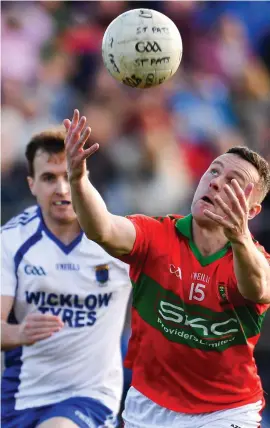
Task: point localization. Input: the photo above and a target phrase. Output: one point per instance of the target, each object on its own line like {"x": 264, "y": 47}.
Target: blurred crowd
{"x": 154, "y": 143}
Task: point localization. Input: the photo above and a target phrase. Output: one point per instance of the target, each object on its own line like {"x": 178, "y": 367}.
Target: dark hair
{"x": 51, "y": 142}
{"x": 260, "y": 164}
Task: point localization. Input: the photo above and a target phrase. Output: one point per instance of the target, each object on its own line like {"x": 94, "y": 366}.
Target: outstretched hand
{"x": 77, "y": 135}
{"x": 235, "y": 220}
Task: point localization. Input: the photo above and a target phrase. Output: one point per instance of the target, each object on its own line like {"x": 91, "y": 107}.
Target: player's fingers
{"x": 226, "y": 209}
{"x": 240, "y": 194}
{"x": 80, "y": 126}
{"x": 248, "y": 191}
{"x": 75, "y": 133}
{"x": 32, "y": 325}
{"x": 75, "y": 119}
{"x": 66, "y": 124}
{"x": 37, "y": 318}
{"x": 40, "y": 336}
{"x": 42, "y": 330}
{"x": 78, "y": 136}
{"x": 237, "y": 207}
{"x": 215, "y": 217}
{"x": 89, "y": 152}
{"x": 71, "y": 125}
{"x": 43, "y": 317}
{"x": 84, "y": 137}
{"x": 218, "y": 219}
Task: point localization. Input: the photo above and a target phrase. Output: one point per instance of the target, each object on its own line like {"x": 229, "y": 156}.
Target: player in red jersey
{"x": 201, "y": 290}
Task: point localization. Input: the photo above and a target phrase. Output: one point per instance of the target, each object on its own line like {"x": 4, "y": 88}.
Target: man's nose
{"x": 216, "y": 184}
{"x": 62, "y": 187}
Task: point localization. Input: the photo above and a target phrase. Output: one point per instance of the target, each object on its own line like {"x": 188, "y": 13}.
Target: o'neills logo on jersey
{"x": 67, "y": 266}
{"x": 194, "y": 329}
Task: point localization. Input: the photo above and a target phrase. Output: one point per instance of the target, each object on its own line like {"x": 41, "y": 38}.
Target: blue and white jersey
{"x": 89, "y": 290}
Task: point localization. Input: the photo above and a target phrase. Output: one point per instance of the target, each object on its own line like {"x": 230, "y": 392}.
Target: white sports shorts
{"x": 140, "y": 412}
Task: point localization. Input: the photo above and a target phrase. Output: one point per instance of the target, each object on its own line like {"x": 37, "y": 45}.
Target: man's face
{"x": 51, "y": 188}
{"x": 221, "y": 172}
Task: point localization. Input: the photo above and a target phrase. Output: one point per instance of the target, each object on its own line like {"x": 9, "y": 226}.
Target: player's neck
{"x": 208, "y": 241}
{"x": 66, "y": 233}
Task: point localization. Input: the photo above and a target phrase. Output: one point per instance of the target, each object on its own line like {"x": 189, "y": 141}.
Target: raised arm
{"x": 252, "y": 271}
{"x": 114, "y": 233}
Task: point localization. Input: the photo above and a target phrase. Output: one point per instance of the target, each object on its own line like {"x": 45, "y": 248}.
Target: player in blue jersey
{"x": 63, "y": 308}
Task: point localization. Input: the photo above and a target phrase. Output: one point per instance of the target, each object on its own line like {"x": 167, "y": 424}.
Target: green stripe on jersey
{"x": 250, "y": 320}
{"x": 191, "y": 324}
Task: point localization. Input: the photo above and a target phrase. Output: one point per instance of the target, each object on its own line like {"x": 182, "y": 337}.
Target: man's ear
{"x": 31, "y": 185}
{"x": 254, "y": 211}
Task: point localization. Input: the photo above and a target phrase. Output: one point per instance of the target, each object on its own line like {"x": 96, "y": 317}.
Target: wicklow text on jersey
{"x": 74, "y": 311}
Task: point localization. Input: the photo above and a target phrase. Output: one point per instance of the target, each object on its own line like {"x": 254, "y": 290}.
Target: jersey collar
{"x": 65, "y": 248}
{"x": 184, "y": 226}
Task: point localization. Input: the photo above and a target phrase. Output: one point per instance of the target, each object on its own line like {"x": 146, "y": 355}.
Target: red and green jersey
{"x": 193, "y": 334}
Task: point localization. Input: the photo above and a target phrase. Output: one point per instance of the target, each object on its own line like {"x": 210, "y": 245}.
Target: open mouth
{"x": 208, "y": 200}
{"x": 61, "y": 203}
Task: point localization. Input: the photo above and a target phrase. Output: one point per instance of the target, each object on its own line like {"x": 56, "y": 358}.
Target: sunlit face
{"x": 51, "y": 188}
{"x": 222, "y": 170}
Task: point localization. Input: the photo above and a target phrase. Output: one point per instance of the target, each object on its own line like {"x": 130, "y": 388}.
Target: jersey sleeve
{"x": 8, "y": 277}
{"x": 238, "y": 298}
{"x": 149, "y": 231}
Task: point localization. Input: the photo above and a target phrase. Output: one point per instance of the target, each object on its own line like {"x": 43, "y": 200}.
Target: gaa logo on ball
{"x": 147, "y": 47}
{"x": 142, "y": 48}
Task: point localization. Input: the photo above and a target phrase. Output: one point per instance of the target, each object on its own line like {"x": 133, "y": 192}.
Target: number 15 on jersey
{"x": 196, "y": 292}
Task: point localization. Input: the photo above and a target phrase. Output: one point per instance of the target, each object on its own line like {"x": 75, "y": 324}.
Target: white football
{"x": 142, "y": 48}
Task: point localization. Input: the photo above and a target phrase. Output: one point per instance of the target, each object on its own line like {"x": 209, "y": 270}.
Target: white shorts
{"x": 140, "y": 412}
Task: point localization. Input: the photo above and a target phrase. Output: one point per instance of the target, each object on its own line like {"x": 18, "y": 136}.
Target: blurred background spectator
{"x": 155, "y": 143}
